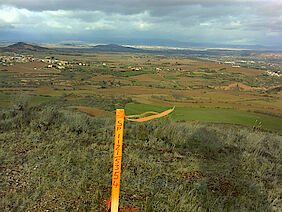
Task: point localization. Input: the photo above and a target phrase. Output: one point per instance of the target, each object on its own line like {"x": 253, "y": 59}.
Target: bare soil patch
{"x": 30, "y": 67}
{"x": 145, "y": 77}
{"x": 93, "y": 111}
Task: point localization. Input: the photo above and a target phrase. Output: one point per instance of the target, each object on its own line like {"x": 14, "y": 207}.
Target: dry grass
{"x": 240, "y": 86}
{"x": 63, "y": 161}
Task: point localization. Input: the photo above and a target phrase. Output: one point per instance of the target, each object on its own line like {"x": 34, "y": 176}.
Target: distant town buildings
{"x": 51, "y": 62}
{"x": 274, "y": 73}
{"x": 135, "y": 68}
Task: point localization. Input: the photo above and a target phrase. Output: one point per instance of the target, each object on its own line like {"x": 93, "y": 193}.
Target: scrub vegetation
{"x": 61, "y": 160}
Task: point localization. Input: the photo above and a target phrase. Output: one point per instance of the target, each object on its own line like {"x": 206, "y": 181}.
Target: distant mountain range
{"x": 113, "y": 48}
{"x": 174, "y": 43}
{"x": 22, "y": 47}
{"x": 103, "y": 48}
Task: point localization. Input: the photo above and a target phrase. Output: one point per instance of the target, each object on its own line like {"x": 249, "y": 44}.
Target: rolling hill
{"x": 105, "y": 48}
{"x": 22, "y": 47}
{"x": 114, "y": 48}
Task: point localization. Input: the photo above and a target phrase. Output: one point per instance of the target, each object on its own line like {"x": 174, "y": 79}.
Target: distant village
{"x": 51, "y": 62}
{"x": 274, "y": 73}
{"x": 237, "y": 64}
{"x": 60, "y": 65}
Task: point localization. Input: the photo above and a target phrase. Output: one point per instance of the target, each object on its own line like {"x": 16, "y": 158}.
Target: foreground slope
{"x": 62, "y": 160}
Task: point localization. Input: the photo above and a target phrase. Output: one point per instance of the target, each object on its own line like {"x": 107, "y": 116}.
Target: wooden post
{"x": 117, "y": 160}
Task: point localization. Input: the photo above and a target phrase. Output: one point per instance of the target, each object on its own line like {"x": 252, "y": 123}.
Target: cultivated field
{"x": 242, "y": 96}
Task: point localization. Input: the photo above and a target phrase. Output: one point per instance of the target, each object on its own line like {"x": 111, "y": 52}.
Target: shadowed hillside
{"x": 54, "y": 159}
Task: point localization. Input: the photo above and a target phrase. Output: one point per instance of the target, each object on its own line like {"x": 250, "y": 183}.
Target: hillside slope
{"x": 22, "y": 47}
{"x": 62, "y": 160}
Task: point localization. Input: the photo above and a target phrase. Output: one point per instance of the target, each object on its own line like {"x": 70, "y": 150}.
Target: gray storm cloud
{"x": 121, "y": 6}
{"x": 216, "y": 21}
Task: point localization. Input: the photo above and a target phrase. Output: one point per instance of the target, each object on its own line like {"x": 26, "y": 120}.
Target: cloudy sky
{"x": 203, "y": 21}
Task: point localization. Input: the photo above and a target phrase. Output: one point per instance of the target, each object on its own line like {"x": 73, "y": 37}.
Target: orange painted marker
{"x": 117, "y": 159}
{"x": 120, "y": 116}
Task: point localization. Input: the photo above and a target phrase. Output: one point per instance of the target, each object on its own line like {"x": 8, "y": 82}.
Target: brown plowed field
{"x": 29, "y": 68}
{"x": 93, "y": 111}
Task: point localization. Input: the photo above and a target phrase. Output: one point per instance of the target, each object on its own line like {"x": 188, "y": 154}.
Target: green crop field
{"x": 212, "y": 115}
{"x": 34, "y": 100}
